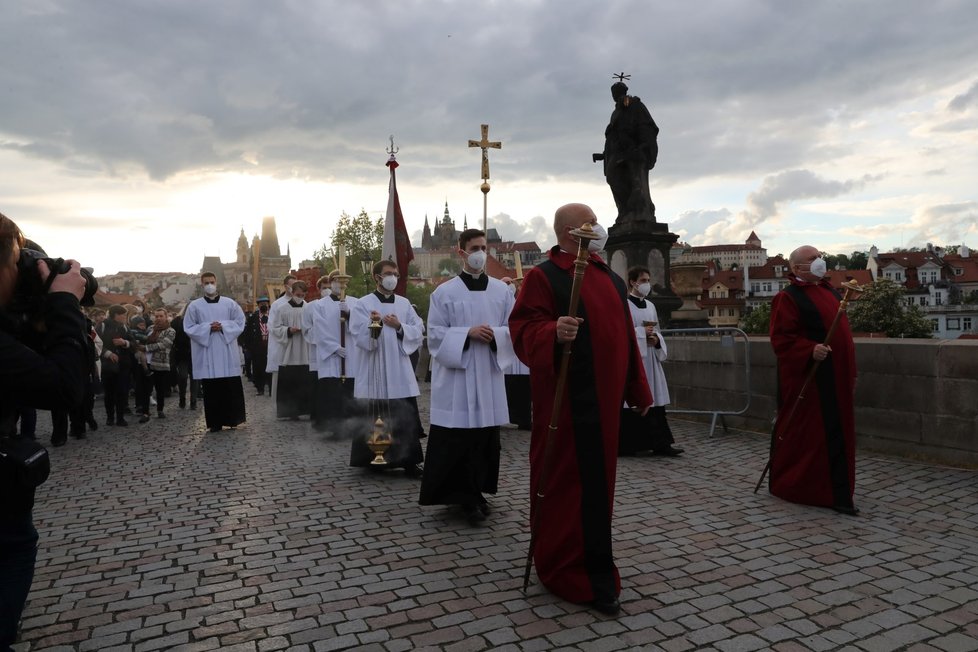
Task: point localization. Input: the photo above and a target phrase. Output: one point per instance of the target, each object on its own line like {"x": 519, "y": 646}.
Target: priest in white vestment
{"x": 213, "y": 324}
{"x": 293, "y": 397}
{"x": 468, "y": 337}
{"x": 336, "y": 366}
{"x": 274, "y": 349}
{"x": 651, "y": 432}
{"x": 385, "y": 376}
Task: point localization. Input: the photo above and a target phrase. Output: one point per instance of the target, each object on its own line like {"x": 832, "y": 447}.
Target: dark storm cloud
{"x": 314, "y": 89}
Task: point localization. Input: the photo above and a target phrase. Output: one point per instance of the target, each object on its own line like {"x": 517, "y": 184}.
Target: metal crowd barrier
{"x": 727, "y": 335}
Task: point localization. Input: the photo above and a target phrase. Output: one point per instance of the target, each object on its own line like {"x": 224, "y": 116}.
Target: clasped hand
{"x": 481, "y": 333}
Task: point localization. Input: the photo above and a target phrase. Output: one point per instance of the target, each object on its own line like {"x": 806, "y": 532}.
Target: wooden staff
{"x": 850, "y": 287}
{"x": 343, "y": 280}
{"x": 584, "y": 235}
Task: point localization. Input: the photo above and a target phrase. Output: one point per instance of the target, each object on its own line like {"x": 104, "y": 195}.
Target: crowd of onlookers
{"x": 139, "y": 358}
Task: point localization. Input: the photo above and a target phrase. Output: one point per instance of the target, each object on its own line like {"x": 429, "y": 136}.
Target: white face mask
{"x": 477, "y": 260}
{"x": 643, "y": 289}
{"x": 594, "y": 246}
{"x": 335, "y": 288}
{"x": 389, "y": 283}
{"x": 210, "y": 289}
{"x": 818, "y": 267}
{"x": 325, "y": 292}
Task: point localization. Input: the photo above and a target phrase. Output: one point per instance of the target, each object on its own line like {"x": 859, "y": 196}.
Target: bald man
{"x": 813, "y": 456}
{"x": 573, "y": 554}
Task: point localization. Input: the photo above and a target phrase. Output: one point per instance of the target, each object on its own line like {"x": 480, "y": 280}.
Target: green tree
{"x": 858, "y": 260}
{"x": 449, "y": 265}
{"x": 362, "y": 239}
{"x": 883, "y": 308}
{"x": 758, "y": 320}
{"x": 420, "y": 297}
{"x": 837, "y": 261}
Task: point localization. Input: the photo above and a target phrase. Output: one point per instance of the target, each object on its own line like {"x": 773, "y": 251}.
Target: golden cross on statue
{"x": 485, "y": 144}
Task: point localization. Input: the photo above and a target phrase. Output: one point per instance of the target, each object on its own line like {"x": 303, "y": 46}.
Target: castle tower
{"x": 269, "y": 238}
{"x": 426, "y": 235}
{"x": 242, "y": 247}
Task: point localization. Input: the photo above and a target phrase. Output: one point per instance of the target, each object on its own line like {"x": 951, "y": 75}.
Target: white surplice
{"x": 214, "y": 354}
{"x": 326, "y": 332}
{"x": 652, "y": 357}
{"x": 292, "y": 349}
{"x": 274, "y": 348}
{"x": 397, "y": 379}
{"x": 309, "y": 310}
{"x": 468, "y": 388}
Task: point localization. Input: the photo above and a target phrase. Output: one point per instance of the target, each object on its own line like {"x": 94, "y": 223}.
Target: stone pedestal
{"x": 645, "y": 242}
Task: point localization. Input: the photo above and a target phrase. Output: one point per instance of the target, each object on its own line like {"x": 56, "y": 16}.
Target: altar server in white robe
{"x": 518, "y": 380}
{"x": 336, "y": 408}
{"x": 213, "y": 324}
{"x": 293, "y": 397}
{"x": 651, "y": 432}
{"x": 274, "y": 348}
{"x": 468, "y": 336}
{"x": 385, "y": 376}
{"x": 309, "y": 310}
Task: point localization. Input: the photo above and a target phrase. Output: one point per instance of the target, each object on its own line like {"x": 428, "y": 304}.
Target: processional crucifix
{"x": 485, "y": 144}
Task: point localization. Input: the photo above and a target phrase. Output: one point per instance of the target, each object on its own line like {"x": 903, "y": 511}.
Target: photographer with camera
{"x": 49, "y": 376}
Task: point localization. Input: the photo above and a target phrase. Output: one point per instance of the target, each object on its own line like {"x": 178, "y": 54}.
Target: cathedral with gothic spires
{"x": 258, "y": 269}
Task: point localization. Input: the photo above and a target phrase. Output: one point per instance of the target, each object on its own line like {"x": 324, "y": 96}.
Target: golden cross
{"x": 485, "y": 144}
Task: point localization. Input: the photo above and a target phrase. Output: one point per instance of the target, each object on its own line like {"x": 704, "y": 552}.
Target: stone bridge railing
{"x": 914, "y": 398}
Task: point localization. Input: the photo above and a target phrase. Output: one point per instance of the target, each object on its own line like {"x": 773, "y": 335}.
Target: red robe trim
{"x": 573, "y": 554}
{"x": 813, "y": 457}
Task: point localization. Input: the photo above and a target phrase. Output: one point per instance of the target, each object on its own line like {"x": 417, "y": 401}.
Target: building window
{"x": 958, "y": 271}
{"x": 767, "y": 286}
{"x": 923, "y": 301}
{"x": 936, "y": 325}
{"x": 966, "y": 324}
{"x": 755, "y": 287}
{"x": 731, "y": 312}
{"x": 938, "y": 299}
{"x": 953, "y": 324}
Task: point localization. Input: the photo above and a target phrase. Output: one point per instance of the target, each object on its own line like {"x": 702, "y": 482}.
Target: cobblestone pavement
{"x": 164, "y": 536}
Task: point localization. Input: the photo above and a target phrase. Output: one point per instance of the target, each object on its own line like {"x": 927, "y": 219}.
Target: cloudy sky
{"x": 140, "y": 134}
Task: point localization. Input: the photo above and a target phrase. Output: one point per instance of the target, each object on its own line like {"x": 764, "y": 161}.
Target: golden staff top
{"x": 485, "y": 144}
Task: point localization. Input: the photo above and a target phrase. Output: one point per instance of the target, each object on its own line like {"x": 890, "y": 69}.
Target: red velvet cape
{"x": 813, "y": 457}
{"x": 573, "y": 554}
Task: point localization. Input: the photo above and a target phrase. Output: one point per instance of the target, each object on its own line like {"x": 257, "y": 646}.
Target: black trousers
{"x": 18, "y": 553}
{"x": 116, "y": 396}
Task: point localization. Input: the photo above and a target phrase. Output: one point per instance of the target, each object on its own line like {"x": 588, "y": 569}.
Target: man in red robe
{"x": 813, "y": 456}
{"x": 573, "y": 554}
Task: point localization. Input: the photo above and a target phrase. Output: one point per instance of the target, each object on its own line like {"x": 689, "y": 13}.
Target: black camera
{"x": 27, "y": 302}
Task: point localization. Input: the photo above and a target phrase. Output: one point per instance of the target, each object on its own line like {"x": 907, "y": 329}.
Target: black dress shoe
{"x": 217, "y": 429}
{"x": 848, "y": 510}
{"x": 121, "y": 422}
{"x": 473, "y": 514}
{"x": 668, "y": 451}
{"x": 57, "y": 442}
{"x": 92, "y": 424}
{"x": 78, "y": 434}
{"x": 607, "y": 607}
{"x": 413, "y": 471}
{"x": 484, "y": 508}
{"x": 110, "y": 422}
{"x": 144, "y": 418}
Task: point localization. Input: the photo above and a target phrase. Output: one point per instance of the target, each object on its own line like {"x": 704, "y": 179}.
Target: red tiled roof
{"x": 969, "y": 265}
{"x": 908, "y": 258}
{"x": 839, "y": 276}
{"x": 725, "y": 247}
{"x": 766, "y": 270}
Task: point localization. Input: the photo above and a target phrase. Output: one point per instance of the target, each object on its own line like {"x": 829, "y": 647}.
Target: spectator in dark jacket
{"x": 50, "y": 379}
